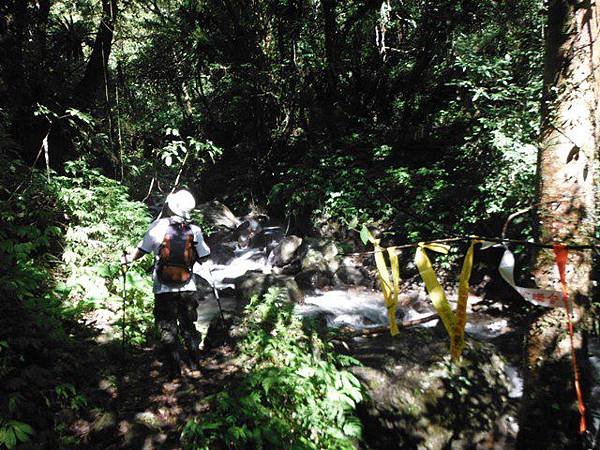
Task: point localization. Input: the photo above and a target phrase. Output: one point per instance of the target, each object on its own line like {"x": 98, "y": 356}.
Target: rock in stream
{"x": 418, "y": 399}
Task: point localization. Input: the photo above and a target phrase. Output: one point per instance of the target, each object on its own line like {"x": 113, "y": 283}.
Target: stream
{"x": 414, "y": 397}
{"x": 355, "y": 307}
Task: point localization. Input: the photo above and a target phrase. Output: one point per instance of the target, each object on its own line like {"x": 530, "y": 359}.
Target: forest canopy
{"x": 377, "y": 111}
{"x": 411, "y": 120}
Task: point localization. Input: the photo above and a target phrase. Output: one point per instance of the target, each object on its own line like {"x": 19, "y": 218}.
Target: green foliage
{"x": 81, "y": 127}
{"x": 34, "y": 324}
{"x": 13, "y": 432}
{"x": 294, "y": 392}
{"x": 103, "y": 222}
{"x": 177, "y": 148}
{"x": 364, "y": 235}
{"x": 87, "y": 218}
{"x": 69, "y": 398}
{"x": 334, "y": 191}
{"x": 423, "y": 132}
{"x": 455, "y": 151}
{"x": 30, "y": 232}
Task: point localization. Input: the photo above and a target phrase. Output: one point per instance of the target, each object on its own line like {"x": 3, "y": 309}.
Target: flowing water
{"x": 245, "y": 260}
{"x": 355, "y": 307}
{"x": 358, "y": 308}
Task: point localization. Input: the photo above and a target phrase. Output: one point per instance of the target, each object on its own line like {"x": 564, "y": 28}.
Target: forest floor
{"x": 132, "y": 403}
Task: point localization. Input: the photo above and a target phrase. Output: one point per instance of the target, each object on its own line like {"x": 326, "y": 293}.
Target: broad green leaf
{"x": 10, "y": 439}
{"x": 22, "y": 430}
{"x": 104, "y": 270}
{"x": 353, "y": 222}
{"x": 364, "y": 235}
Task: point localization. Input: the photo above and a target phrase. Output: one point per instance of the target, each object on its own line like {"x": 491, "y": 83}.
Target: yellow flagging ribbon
{"x": 458, "y": 343}
{"x": 389, "y": 287}
{"x": 437, "y": 294}
{"x": 454, "y": 322}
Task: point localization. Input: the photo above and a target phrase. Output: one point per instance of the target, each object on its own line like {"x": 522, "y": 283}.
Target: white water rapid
{"x": 355, "y": 307}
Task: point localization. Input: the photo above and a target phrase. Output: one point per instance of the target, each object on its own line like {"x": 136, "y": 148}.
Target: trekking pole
{"x": 124, "y": 272}
{"x": 214, "y": 286}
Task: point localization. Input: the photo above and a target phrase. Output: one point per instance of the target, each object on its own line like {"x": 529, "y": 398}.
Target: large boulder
{"x": 221, "y": 253}
{"x": 217, "y": 215}
{"x": 312, "y": 278}
{"x": 268, "y": 238}
{"x": 247, "y": 232}
{"x": 258, "y": 283}
{"x": 285, "y": 252}
{"x": 418, "y": 399}
{"x": 319, "y": 253}
{"x": 353, "y": 276}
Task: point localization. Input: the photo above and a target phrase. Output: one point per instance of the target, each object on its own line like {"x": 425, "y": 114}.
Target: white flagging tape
{"x": 540, "y": 297}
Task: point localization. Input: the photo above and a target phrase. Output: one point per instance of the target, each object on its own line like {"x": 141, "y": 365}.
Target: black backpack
{"x": 176, "y": 255}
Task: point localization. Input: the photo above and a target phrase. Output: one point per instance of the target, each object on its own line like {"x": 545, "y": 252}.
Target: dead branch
{"x": 353, "y": 332}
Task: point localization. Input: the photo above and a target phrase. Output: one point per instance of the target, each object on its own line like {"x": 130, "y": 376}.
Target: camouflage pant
{"x": 169, "y": 309}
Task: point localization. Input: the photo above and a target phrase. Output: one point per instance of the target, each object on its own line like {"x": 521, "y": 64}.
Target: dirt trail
{"x": 133, "y": 404}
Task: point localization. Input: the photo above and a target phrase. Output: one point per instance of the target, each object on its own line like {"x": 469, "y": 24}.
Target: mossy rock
{"x": 257, "y": 283}
{"x": 420, "y": 399}
{"x": 321, "y": 254}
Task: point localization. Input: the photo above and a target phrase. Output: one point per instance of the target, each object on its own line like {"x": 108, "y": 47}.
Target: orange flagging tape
{"x": 561, "y": 254}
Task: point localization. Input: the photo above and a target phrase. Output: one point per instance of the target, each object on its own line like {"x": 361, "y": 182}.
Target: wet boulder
{"x": 313, "y": 278}
{"x": 217, "y": 215}
{"x": 247, "y": 232}
{"x": 353, "y": 276}
{"x": 415, "y": 297}
{"x": 204, "y": 288}
{"x": 418, "y": 399}
{"x": 316, "y": 263}
{"x": 258, "y": 283}
{"x": 285, "y": 252}
{"x": 408, "y": 268}
{"x": 319, "y": 253}
{"x": 269, "y": 237}
{"x": 221, "y": 253}
{"x": 221, "y": 331}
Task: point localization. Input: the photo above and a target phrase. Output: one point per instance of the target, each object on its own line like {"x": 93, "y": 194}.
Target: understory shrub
{"x": 35, "y": 327}
{"x": 294, "y": 392}
{"x": 102, "y": 223}
{"x": 60, "y": 241}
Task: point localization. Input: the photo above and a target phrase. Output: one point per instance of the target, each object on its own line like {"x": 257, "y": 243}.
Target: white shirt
{"x": 152, "y": 242}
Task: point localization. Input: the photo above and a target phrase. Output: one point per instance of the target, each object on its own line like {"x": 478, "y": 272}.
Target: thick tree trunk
{"x": 84, "y": 94}
{"x": 566, "y": 213}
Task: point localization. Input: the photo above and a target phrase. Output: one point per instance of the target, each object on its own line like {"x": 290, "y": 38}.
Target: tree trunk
{"x": 84, "y": 94}
{"x": 330, "y": 90}
{"x": 433, "y": 42}
{"x": 566, "y": 214}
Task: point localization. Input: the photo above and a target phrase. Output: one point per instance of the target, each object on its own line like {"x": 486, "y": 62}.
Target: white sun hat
{"x": 181, "y": 203}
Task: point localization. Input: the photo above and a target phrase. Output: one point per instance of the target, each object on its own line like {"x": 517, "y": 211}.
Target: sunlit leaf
{"x": 364, "y": 235}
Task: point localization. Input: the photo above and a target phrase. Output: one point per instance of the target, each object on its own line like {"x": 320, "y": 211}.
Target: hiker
{"x": 177, "y": 245}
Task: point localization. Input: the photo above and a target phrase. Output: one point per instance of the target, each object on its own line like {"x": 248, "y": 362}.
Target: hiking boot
{"x": 172, "y": 361}
{"x": 172, "y": 369}
{"x": 194, "y": 365}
